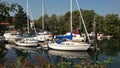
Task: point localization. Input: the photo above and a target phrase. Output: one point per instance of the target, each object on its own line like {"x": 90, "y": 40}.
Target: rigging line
{"x": 46, "y": 12}
{"x": 28, "y": 17}
{"x": 42, "y": 15}
{"x": 71, "y": 15}
{"x": 31, "y": 15}
{"x": 82, "y": 20}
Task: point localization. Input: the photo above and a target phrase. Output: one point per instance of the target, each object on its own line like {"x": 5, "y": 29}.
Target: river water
{"x": 109, "y": 49}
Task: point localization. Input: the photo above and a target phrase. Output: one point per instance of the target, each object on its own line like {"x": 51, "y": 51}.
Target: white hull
{"x": 43, "y": 38}
{"x": 72, "y": 47}
{"x": 43, "y": 45}
{"x": 79, "y": 39}
{"x": 30, "y": 40}
{"x": 11, "y": 37}
{"x": 26, "y": 44}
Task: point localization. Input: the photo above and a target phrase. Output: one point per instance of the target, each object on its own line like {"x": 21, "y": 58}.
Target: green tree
{"x": 88, "y": 16}
{"x": 39, "y": 23}
{"x": 5, "y": 10}
{"x": 20, "y": 19}
{"x": 67, "y": 21}
{"x": 111, "y": 24}
{"x": 99, "y": 23}
{"x": 63, "y": 26}
{"x": 46, "y": 22}
{"x": 53, "y": 23}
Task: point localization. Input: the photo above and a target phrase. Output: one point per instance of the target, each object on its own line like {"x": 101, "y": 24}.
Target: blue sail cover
{"x": 60, "y": 38}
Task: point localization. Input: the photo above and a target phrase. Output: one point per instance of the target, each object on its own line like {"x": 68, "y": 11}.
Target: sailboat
{"x": 69, "y": 44}
{"x": 12, "y": 36}
{"x": 43, "y": 35}
{"x": 27, "y": 41}
{"x": 77, "y": 35}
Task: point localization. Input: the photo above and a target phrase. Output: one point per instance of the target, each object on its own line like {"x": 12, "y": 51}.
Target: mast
{"x": 71, "y": 15}
{"x": 28, "y": 18}
{"x": 95, "y": 34}
{"x": 83, "y": 20}
{"x": 32, "y": 24}
{"x": 42, "y": 15}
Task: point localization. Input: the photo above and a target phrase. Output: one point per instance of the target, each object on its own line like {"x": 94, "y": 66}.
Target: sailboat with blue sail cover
{"x": 69, "y": 45}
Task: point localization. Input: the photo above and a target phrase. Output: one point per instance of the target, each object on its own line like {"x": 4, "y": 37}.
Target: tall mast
{"x": 71, "y": 15}
{"x": 82, "y": 20}
{"x": 42, "y": 15}
{"x": 28, "y": 18}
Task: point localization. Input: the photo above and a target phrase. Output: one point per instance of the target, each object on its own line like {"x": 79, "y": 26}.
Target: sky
{"x": 60, "y": 7}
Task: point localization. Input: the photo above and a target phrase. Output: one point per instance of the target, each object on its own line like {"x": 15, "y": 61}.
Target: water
{"x": 38, "y": 56}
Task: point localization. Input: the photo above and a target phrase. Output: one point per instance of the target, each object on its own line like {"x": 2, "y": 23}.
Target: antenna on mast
{"x": 71, "y": 15}
{"x": 42, "y": 15}
{"x": 83, "y": 21}
{"x": 28, "y": 18}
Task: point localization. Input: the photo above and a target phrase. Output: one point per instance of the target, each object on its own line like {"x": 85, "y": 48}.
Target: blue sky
{"x": 60, "y": 7}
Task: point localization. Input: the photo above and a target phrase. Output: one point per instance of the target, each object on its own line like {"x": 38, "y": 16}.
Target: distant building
{"x": 7, "y": 24}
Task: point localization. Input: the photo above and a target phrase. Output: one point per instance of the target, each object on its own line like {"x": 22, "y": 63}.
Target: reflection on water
{"x": 36, "y": 53}
{"x": 109, "y": 48}
{"x": 69, "y": 54}
{"x": 68, "y": 58}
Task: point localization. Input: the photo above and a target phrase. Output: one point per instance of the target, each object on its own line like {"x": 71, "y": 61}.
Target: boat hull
{"x": 82, "y": 47}
{"x": 26, "y": 44}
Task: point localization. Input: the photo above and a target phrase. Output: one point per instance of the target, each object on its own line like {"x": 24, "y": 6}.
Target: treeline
{"x": 108, "y": 24}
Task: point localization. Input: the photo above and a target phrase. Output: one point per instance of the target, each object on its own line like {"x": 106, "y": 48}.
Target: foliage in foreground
{"x": 44, "y": 63}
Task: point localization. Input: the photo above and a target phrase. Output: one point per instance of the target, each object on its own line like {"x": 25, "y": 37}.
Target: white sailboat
{"x": 29, "y": 41}
{"x": 43, "y": 35}
{"x": 69, "y": 45}
{"x": 26, "y": 42}
{"x": 11, "y": 36}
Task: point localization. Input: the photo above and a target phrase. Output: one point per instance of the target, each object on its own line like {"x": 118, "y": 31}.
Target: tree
{"x": 46, "y": 22}
{"x": 99, "y": 23}
{"x": 88, "y": 16}
{"x": 111, "y": 24}
{"x": 63, "y": 25}
{"x": 20, "y": 19}
{"x": 5, "y": 10}
{"x": 53, "y": 23}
